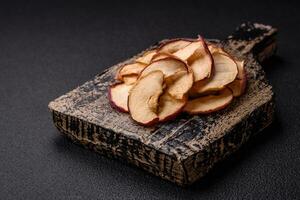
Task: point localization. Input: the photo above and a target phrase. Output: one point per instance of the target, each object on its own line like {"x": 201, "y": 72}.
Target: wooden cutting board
{"x": 185, "y": 149}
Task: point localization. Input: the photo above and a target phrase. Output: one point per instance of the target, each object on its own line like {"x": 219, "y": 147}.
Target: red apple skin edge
{"x": 167, "y": 58}
{"x": 117, "y": 76}
{"x": 151, "y": 123}
{"x": 244, "y": 82}
{"x": 112, "y": 103}
{"x": 208, "y": 53}
{"x": 228, "y": 55}
{"x": 170, "y": 57}
{"x": 231, "y": 57}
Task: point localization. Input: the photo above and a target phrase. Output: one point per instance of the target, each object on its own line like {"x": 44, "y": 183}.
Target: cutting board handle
{"x": 255, "y": 38}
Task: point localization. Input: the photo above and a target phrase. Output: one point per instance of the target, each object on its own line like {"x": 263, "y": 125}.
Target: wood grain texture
{"x": 184, "y": 149}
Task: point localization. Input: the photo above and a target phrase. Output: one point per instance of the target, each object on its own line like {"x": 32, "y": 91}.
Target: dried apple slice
{"x": 201, "y": 62}
{"x": 161, "y": 55}
{"x": 225, "y": 71}
{"x": 215, "y": 49}
{"x": 240, "y": 64}
{"x": 198, "y": 57}
{"x": 238, "y": 86}
{"x": 167, "y": 66}
{"x": 202, "y": 68}
{"x": 241, "y": 69}
{"x": 179, "y": 84}
{"x": 209, "y": 104}
{"x": 143, "y": 98}
{"x": 146, "y": 57}
{"x": 188, "y": 51}
{"x": 130, "y": 79}
{"x": 172, "y": 46}
{"x": 130, "y": 69}
{"x": 169, "y": 107}
{"x": 118, "y": 96}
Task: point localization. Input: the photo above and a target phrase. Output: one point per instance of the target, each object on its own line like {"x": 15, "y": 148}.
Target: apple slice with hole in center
{"x": 146, "y": 57}
{"x": 174, "y": 45}
{"x": 225, "y": 71}
{"x": 179, "y": 84}
{"x": 144, "y": 96}
{"x": 118, "y": 96}
{"x": 170, "y": 107}
{"x": 209, "y": 104}
{"x": 167, "y": 66}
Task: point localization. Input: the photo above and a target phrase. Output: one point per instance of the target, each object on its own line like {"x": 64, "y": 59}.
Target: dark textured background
{"x": 49, "y": 48}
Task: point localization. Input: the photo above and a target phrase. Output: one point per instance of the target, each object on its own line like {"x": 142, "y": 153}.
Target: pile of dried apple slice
{"x": 181, "y": 75}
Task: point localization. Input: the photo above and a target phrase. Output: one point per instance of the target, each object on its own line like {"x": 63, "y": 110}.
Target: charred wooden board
{"x": 184, "y": 149}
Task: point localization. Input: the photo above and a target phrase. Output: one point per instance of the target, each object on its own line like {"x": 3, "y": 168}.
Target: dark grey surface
{"x": 47, "y": 49}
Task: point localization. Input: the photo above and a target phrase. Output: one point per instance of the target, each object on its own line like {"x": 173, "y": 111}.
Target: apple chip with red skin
{"x": 201, "y": 62}
{"x": 179, "y": 84}
{"x": 130, "y": 79}
{"x": 130, "y": 69}
{"x": 182, "y": 75}
{"x": 198, "y": 57}
{"x": 118, "y": 96}
{"x": 172, "y": 46}
{"x": 168, "y": 66}
{"x": 238, "y": 86}
{"x": 210, "y": 103}
{"x": 178, "y": 77}
{"x": 215, "y": 49}
{"x": 144, "y": 96}
{"x": 146, "y": 57}
{"x": 186, "y": 52}
{"x": 169, "y": 107}
{"x": 225, "y": 72}
{"x": 160, "y": 56}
